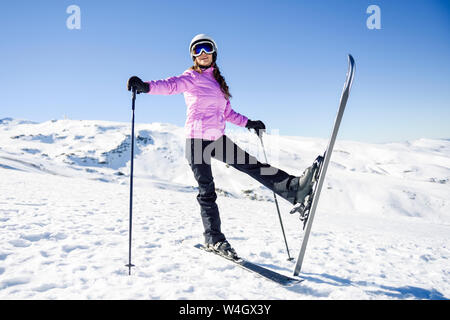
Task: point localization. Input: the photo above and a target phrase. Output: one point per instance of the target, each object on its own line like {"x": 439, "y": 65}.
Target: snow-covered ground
{"x": 381, "y": 231}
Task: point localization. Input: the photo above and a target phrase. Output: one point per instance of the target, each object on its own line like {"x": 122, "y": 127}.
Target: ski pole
{"x": 133, "y": 101}
{"x": 276, "y": 203}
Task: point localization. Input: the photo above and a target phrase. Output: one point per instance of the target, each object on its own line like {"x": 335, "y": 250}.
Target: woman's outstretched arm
{"x": 172, "y": 85}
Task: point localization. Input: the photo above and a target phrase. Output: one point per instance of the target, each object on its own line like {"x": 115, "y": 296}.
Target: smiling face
{"x": 204, "y": 59}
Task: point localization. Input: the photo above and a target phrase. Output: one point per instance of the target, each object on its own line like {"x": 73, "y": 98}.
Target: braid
{"x": 219, "y": 78}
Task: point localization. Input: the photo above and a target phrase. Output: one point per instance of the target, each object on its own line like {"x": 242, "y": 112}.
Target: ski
{"x": 257, "y": 270}
{"x": 308, "y": 208}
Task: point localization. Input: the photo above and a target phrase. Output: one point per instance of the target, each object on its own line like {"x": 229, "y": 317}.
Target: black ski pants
{"x": 199, "y": 153}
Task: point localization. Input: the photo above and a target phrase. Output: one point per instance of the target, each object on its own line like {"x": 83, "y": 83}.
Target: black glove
{"x": 141, "y": 86}
{"x": 257, "y": 125}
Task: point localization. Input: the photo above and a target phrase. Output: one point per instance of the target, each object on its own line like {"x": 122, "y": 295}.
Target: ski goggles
{"x": 202, "y": 46}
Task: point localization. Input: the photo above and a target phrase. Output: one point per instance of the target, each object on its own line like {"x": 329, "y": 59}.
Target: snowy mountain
{"x": 381, "y": 229}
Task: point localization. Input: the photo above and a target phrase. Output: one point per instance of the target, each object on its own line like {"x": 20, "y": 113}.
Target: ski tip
{"x": 351, "y": 59}
{"x": 351, "y": 70}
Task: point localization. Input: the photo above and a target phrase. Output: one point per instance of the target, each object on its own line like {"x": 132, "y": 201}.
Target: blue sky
{"x": 284, "y": 61}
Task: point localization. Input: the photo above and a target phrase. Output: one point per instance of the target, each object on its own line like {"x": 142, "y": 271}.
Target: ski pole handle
{"x": 256, "y": 132}
{"x": 133, "y": 98}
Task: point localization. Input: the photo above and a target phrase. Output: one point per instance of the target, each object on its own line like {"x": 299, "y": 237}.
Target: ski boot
{"x": 307, "y": 184}
{"x": 222, "y": 248}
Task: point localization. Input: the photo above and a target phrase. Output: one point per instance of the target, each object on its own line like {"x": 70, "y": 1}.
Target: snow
{"x": 381, "y": 230}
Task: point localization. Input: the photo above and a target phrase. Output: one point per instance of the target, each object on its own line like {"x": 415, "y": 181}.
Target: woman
{"x": 207, "y": 97}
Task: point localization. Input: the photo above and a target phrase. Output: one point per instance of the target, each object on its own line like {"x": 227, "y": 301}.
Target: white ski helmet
{"x": 202, "y": 37}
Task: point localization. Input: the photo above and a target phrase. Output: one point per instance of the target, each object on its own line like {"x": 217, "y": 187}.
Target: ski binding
{"x": 304, "y": 207}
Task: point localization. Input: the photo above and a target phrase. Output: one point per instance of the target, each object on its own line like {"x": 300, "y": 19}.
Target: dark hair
{"x": 218, "y": 76}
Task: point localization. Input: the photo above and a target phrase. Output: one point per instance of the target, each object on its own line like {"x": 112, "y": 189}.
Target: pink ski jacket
{"x": 207, "y": 107}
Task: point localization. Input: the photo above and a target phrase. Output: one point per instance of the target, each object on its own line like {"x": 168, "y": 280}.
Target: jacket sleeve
{"x": 234, "y": 117}
{"x": 172, "y": 85}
